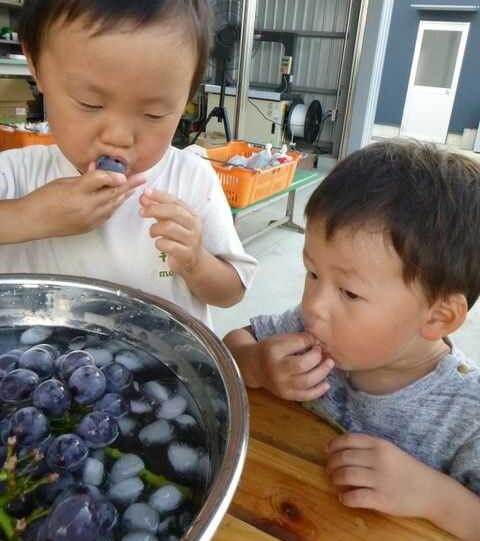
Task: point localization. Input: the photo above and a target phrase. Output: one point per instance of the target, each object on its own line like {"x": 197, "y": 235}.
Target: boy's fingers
{"x": 96, "y": 180}
{"x": 305, "y": 362}
{"x": 350, "y": 457}
{"x": 168, "y": 215}
{"x": 313, "y": 377}
{"x": 365, "y": 498}
{"x": 353, "y": 476}
{"x": 170, "y": 230}
{"x": 291, "y": 344}
{"x": 117, "y": 193}
{"x": 351, "y": 440}
{"x": 161, "y": 197}
{"x": 307, "y": 395}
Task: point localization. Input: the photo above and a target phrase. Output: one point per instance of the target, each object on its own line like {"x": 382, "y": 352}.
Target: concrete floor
{"x": 279, "y": 281}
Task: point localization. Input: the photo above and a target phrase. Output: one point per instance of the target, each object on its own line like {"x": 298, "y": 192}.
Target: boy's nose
{"x": 316, "y": 306}
{"x": 117, "y": 134}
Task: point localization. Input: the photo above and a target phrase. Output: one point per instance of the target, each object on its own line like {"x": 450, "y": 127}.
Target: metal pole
{"x": 249, "y": 10}
{"x": 362, "y": 23}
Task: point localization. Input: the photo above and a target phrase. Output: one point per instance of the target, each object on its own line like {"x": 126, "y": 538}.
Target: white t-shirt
{"x": 121, "y": 250}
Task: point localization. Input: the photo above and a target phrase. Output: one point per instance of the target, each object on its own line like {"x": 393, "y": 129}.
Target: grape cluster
{"x": 63, "y": 407}
{"x": 42, "y": 391}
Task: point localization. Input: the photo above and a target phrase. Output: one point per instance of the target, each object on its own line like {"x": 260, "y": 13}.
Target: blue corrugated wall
{"x": 398, "y": 60}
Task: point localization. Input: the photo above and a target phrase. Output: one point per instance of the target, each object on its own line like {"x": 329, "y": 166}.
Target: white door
{"x": 436, "y": 66}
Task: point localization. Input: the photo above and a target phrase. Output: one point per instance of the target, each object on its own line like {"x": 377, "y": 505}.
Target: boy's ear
{"x": 445, "y": 316}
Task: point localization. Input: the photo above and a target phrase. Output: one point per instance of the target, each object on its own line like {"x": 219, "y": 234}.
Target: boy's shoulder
{"x": 33, "y": 156}
{"x": 25, "y": 169}
{"x": 186, "y": 159}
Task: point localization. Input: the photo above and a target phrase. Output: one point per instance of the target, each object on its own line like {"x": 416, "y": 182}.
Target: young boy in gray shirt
{"x": 392, "y": 253}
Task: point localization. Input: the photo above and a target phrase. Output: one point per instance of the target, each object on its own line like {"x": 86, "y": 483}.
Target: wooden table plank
{"x": 234, "y": 529}
{"x": 288, "y": 426}
{"x": 291, "y": 499}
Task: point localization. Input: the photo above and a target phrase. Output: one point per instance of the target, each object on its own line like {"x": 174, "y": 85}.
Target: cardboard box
{"x": 14, "y": 97}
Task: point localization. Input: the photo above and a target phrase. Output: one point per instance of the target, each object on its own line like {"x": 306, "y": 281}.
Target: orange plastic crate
{"x": 18, "y": 139}
{"x": 244, "y": 187}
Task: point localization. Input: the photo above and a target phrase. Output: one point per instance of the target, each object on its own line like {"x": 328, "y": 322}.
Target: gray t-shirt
{"x": 435, "y": 419}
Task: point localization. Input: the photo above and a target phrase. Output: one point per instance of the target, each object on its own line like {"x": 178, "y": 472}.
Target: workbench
{"x": 284, "y": 492}
{"x": 302, "y": 179}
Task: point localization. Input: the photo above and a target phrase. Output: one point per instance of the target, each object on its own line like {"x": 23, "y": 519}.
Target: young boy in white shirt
{"x": 392, "y": 252}
{"x": 115, "y": 78}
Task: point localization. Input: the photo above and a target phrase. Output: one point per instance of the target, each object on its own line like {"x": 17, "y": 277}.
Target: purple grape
{"x": 66, "y": 453}
{"x": 49, "y": 492}
{"x": 52, "y": 349}
{"x": 98, "y": 429}
{"x": 107, "y": 515}
{"x": 21, "y": 506}
{"x": 17, "y": 386}
{"x": 87, "y": 384}
{"x": 114, "y": 404}
{"x": 29, "y": 425}
{"x": 52, "y": 397}
{"x": 38, "y": 360}
{"x": 107, "y": 163}
{"x": 9, "y": 360}
{"x": 5, "y": 427}
{"x": 73, "y": 519}
{"x": 118, "y": 377}
{"x": 73, "y": 360}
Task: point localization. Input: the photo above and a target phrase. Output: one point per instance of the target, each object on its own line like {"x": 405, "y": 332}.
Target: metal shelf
{"x": 11, "y": 3}
{"x": 9, "y": 41}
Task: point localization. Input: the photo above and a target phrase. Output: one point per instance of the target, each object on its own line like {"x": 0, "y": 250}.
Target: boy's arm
{"x": 455, "y": 509}
{"x": 214, "y": 281}
{"x": 246, "y": 351}
{"x": 16, "y": 223}
{"x": 63, "y": 207}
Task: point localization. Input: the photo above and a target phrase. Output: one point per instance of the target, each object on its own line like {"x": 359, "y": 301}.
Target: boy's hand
{"x": 71, "y": 206}
{"x": 177, "y": 231}
{"x": 291, "y": 367}
{"x": 373, "y": 473}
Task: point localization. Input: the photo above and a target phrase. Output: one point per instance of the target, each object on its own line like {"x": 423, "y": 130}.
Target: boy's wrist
{"x": 27, "y": 226}
{"x": 453, "y": 507}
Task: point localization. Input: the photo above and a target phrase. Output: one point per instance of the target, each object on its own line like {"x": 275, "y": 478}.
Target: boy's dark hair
{"x": 426, "y": 200}
{"x": 38, "y": 16}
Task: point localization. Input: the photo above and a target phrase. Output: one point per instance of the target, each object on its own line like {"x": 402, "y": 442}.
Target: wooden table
{"x": 285, "y": 494}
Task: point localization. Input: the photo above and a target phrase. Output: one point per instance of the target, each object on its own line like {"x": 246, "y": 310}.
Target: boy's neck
{"x": 388, "y": 379}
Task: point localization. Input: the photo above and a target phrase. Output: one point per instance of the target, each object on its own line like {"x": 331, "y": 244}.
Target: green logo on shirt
{"x": 165, "y": 273}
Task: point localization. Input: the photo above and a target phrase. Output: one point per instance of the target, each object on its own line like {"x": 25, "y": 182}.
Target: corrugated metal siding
{"x": 316, "y": 61}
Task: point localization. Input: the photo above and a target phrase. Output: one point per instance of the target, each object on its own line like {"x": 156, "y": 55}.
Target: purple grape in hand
{"x": 107, "y": 163}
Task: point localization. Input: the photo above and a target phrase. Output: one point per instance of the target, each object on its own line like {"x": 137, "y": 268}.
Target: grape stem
{"x": 152, "y": 479}
{"x": 6, "y": 524}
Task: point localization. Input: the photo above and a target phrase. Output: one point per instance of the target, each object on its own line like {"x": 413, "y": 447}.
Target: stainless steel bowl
{"x": 184, "y": 344}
